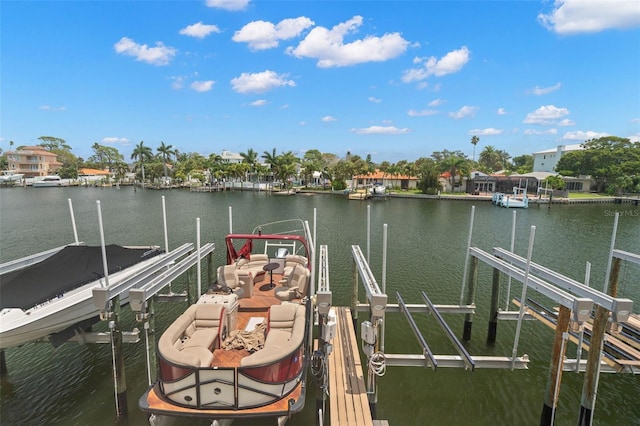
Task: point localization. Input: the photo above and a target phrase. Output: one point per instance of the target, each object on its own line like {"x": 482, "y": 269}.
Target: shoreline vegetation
{"x": 574, "y": 198}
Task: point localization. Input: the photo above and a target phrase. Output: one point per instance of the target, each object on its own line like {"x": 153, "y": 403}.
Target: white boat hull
{"x": 18, "y": 326}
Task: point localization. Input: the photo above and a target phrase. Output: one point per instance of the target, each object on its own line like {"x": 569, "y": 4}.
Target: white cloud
{"x": 437, "y": 102}
{"x": 159, "y": 55}
{"x": 635, "y": 120}
{"x": 465, "y": 111}
{"x": 329, "y": 47}
{"x": 259, "y": 103}
{"x": 177, "y": 82}
{"x": 566, "y": 122}
{"x": 539, "y": 91}
{"x": 541, "y": 132}
{"x": 232, "y": 5}
{"x": 450, "y": 63}
{"x": 52, "y": 108}
{"x": 262, "y": 35}
{"x": 501, "y": 111}
{"x": 423, "y": 113}
{"x": 580, "y": 16}
{"x": 202, "y": 86}
{"x": 374, "y": 100}
{"x": 260, "y": 82}
{"x": 328, "y": 119}
{"x": 115, "y": 141}
{"x": 485, "y": 132}
{"x": 583, "y": 136}
{"x": 635, "y": 138}
{"x": 380, "y": 130}
{"x": 546, "y": 115}
{"x": 199, "y": 30}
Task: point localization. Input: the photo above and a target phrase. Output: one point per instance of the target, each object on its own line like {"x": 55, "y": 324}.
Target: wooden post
{"x": 3, "y": 363}
{"x": 555, "y": 371}
{"x": 471, "y": 296}
{"x": 592, "y": 371}
{"x": 493, "y": 313}
{"x": 120, "y": 379}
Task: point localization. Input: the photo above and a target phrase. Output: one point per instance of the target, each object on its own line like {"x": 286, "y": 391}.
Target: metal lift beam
{"x": 429, "y": 358}
{"x": 581, "y": 307}
{"x": 621, "y": 308}
{"x": 452, "y": 337}
{"x": 102, "y": 295}
{"x": 625, "y": 255}
{"x": 149, "y": 289}
{"x": 377, "y": 299}
{"x": 324, "y": 298}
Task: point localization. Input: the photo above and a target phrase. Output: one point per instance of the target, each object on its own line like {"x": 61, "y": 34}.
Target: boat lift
{"x": 576, "y": 301}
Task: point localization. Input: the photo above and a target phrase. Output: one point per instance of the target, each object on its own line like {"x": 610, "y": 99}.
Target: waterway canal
{"x": 72, "y": 385}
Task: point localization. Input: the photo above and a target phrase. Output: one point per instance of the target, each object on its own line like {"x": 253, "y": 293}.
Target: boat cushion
{"x": 191, "y": 337}
{"x": 285, "y": 335}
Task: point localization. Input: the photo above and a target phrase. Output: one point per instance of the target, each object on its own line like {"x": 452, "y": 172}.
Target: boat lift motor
{"x": 329, "y": 330}
{"x": 369, "y": 335}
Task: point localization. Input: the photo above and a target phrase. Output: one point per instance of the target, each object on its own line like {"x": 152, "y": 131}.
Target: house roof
{"x": 380, "y": 175}
{"x": 565, "y": 148}
{"x": 93, "y": 172}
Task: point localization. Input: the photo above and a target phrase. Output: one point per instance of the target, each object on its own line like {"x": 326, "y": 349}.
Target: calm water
{"x": 72, "y": 385}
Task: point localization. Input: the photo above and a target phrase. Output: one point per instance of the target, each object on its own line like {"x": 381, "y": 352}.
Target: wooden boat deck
{"x": 348, "y": 394}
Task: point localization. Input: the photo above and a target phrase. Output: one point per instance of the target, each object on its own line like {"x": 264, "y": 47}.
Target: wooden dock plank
{"x": 348, "y": 397}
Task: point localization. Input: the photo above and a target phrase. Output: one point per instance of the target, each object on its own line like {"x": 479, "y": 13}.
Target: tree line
{"x": 612, "y": 161}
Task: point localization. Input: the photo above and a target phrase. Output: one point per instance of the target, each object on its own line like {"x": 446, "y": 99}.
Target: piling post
{"x": 192, "y": 295}
{"x": 555, "y": 371}
{"x": 493, "y": 313}
{"x": 119, "y": 378}
{"x": 592, "y": 371}
{"x": 3, "y": 363}
{"x": 471, "y": 296}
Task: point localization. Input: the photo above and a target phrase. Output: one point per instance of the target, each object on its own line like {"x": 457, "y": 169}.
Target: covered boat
{"x": 51, "y": 292}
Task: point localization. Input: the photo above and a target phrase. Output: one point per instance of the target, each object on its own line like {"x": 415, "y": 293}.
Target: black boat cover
{"x": 71, "y": 267}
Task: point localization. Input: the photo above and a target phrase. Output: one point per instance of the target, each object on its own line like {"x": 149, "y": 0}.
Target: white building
{"x": 230, "y": 157}
{"x": 546, "y": 161}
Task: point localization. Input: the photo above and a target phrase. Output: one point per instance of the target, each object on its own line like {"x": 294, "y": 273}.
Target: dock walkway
{"x": 348, "y": 393}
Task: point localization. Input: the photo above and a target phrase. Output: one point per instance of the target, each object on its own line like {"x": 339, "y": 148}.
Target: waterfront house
{"x": 33, "y": 161}
{"x": 386, "y": 179}
{"x": 546, "y": 160}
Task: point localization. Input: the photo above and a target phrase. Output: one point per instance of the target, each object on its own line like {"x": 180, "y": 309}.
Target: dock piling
{"x": 471, "y": 296}
{"x": 555, "y": 371}
{"x": 493, "y": 312}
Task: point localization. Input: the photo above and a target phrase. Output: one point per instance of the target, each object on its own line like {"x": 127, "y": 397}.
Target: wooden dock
{"x": 348, "y": 394}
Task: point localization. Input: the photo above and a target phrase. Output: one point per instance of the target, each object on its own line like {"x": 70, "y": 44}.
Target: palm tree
{"x": 490, "y": 159}
{"x": 455, "y": 165}
{"x": 141, "y": 153}
{"x": 474, "y": 141}
{"x": 251, "y": 158}
{"x": 271, "y": 159}
{"x": 165, "y": 152}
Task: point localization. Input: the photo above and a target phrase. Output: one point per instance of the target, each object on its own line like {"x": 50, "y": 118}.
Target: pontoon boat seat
{"x": 239, "y": 281}
{"x": 291, "y": 260}
{"x": 285, "y": 334}
{"x": 295, "y": 286}
{"x": 190, "y": 339}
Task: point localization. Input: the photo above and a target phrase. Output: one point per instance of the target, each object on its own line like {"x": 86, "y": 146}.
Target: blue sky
{"x": 397, "y": 80}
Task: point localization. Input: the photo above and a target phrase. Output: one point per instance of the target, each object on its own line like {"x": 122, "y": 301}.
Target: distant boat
{"x": 50, "y": 181}
{"x": 10, "y": 177}
{"x": 519, "y": 199}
